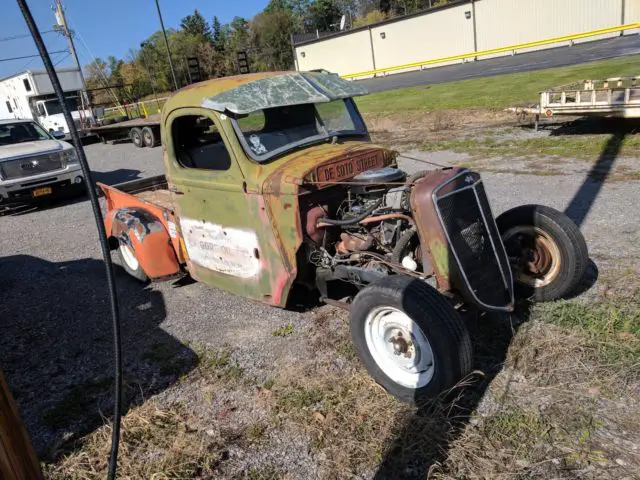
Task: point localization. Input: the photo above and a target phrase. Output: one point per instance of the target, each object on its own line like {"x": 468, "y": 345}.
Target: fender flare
{"x": 147, "y": 236}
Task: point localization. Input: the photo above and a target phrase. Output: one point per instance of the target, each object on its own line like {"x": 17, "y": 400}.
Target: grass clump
{"x": 218, "y": 363}
{"x": 611, "y": 329}
{"x": 283, "y": 331}
{"x": 155, "y": 443}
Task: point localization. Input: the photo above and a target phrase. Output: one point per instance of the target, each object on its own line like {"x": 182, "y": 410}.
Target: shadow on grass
{"x": 421, "y": 444}
{"x": 56, "y": 346}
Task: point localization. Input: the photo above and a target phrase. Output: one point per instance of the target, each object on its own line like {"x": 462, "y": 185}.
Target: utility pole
{"x": 166, "y": 42}
{"x": 64, "y": 29}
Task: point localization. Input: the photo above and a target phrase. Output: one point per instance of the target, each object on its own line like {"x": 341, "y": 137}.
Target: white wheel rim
{"x": 399, "y": 347}
{"x": 129, "y": 257}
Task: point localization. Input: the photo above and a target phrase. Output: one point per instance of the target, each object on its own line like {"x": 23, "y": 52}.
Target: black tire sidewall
{"x": 567, "y": 237}
{"x": 136, "y": 137}
{"x": 152, "y": 137}
{"x": 432, "y": 317}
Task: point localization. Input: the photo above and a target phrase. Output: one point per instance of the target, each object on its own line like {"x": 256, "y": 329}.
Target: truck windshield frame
{"x": 28, "y": 132}
{"x": 52, "y": 107}
{"x": 284, "y": 129}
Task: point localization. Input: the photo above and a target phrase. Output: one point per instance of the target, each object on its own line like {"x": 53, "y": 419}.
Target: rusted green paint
{"x": 440, "y": 257}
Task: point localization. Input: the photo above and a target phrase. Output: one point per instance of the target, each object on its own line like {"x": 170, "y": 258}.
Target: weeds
{"x": 283, "y": 331}
{"x": 155, "y": 443}
{"x": 217, "y": 363}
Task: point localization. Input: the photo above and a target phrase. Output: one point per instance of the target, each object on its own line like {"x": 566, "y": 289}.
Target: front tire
{"x": 409, "y": 338}
{"x": 547, "y": 252}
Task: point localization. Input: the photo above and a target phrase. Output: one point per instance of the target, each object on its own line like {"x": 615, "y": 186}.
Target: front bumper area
{"x": 64, "y": 183}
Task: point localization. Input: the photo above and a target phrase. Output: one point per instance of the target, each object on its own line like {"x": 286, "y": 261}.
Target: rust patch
{"x": 433, "y": 241}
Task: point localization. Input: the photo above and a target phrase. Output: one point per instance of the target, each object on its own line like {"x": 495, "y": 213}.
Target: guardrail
{"x": 510, "y": 48}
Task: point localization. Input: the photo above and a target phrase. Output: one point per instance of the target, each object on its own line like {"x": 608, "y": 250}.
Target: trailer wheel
{"x": 127, "y": 258}
{"x": 410, "y": 339}
{"x": 547, "y": 251}
{"x": 135, "y": 134}
{"x": 150, "y": 138}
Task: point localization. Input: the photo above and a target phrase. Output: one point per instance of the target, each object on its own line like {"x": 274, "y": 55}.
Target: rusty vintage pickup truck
{"x": 272, "y": 181}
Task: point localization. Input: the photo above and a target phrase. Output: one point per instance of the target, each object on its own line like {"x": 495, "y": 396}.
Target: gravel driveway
{"x": 56, "y": 343}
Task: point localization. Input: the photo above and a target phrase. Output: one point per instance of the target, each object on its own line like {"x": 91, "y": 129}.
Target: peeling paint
{"x": 232, "y": 251}
{"x": 138, "y": 222}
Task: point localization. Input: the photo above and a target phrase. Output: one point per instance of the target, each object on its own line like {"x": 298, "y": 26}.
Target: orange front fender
{"x": 148, "y": 237}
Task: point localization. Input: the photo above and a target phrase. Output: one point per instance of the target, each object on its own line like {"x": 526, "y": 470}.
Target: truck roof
{"x": 194, "y": 95}
{"x": 15, "y": 120}
{"x": 37, "y": 71}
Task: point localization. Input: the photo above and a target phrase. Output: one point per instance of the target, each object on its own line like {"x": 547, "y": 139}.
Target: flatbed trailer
{"x": 612, "y": 97}
{"x": 143, "y": 132}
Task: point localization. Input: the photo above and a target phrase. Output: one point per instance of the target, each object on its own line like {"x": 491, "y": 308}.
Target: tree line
{"x": 266, "y": 39}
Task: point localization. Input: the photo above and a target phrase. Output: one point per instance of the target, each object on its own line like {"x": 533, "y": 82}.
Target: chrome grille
{"x": 476, "y": 244}
{"x": 29, "y": 166}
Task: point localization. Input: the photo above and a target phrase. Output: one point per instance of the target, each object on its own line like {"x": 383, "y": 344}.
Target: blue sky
{"x": 108, "y": 27}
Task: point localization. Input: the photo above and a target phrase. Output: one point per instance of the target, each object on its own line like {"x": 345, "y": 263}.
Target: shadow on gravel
{"x": 422, "y": 442}
{"x": 597, "y": 126}
{"x": 56, "y": 346}
{"x": 582, "y": 201}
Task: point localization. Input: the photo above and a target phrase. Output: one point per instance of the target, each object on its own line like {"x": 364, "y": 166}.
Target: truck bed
{"x": 151, "y": 121}
{"x": 152, "y": 191}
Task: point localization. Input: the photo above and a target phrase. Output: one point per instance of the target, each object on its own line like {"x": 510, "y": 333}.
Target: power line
{"x": 16, "y": 37}
{"x": 62, "y": 59}
{"x": 29, "y": 56}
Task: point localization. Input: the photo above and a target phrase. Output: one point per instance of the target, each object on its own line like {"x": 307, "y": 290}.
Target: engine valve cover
{"x": 373, "y": 180}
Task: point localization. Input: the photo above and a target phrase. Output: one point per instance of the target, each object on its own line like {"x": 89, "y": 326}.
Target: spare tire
{"x": 547, "y": 252}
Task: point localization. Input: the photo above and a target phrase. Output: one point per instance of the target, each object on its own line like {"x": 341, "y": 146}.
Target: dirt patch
{"x": 412, "y": 129}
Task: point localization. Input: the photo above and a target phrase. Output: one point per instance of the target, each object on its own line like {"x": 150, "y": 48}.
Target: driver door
{"x": 207, "y": 186}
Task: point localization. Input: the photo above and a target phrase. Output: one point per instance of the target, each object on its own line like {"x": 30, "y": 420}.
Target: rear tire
{"x": 128, "y": 260}
{"x": 547, "y": 252}
{"x": 150, "y": 138}
{"x": 135, "y": 134}
{"x": 410, "y": 339}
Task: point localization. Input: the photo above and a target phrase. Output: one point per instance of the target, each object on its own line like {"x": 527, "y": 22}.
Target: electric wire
{"x": 24, "y": 35}
{"x": 97, "y": 214}
{"x": 104, "y": 78}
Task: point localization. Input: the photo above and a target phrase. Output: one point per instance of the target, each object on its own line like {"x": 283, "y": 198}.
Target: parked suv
{"x": 34, "y": 165}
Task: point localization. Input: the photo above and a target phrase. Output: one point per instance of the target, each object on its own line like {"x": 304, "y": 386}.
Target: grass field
{"x": 498, "y": 91}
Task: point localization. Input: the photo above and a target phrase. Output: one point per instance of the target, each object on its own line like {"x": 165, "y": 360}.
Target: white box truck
{"x": 29, "y": 95}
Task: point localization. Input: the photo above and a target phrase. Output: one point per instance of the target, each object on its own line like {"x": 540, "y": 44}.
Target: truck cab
{"x": 49, "y": 114}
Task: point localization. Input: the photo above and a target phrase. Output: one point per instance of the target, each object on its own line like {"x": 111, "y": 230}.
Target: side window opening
{"x": 198, "y": 144}
{"x": 9, "y": 106}
{"x": 27, "y": 85}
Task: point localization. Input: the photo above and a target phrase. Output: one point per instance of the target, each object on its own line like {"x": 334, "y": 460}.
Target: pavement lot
{"x": 522, "y": 62}
{"x": 53, "y": 309}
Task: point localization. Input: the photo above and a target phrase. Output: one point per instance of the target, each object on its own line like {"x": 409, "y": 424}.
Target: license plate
{"x": 345, "y": 169}
{"x": 39, "y": 192}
